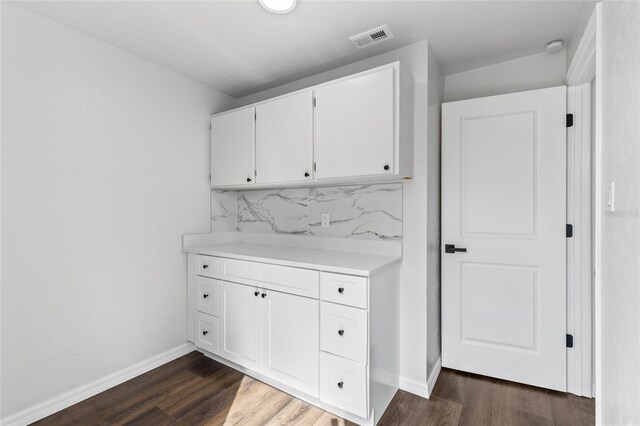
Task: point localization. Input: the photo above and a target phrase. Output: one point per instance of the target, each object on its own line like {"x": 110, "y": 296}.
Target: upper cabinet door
{"x": 232, "y": 137}
{"x": 284, "y": 139}
{"x": 355, "y": 132}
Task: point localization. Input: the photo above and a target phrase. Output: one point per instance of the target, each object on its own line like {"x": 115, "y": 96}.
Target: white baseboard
{"x": 433, "y": 377}
{"x": 415, "y": 387}
{"x": 67, "y": 399}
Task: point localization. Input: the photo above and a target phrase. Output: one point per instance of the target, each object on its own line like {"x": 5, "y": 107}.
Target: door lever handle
{"x": 451, "y": 248}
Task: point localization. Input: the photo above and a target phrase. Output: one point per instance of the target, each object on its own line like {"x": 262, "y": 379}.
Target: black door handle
{"x": 451, "y": 248}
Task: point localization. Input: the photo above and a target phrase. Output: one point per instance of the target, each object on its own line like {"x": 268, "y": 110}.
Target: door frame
{"x": 583, "y": 194}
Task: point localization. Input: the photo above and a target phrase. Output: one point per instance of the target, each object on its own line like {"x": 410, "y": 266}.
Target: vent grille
{"x": 371, "y": 37}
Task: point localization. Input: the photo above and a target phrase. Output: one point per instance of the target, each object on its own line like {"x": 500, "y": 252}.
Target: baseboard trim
{"x": 67, "y": 399}
{"x": 433, "y": 377}
{"x": 414, "y": 386}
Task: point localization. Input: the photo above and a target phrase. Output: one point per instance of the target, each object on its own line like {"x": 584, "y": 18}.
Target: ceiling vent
{"x": 371, "y": 37}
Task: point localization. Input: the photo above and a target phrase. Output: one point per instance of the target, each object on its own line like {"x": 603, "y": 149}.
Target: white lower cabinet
{"x": 336, "y": 345}
{"x": 240, "y": 325}
{"x": 291, "y": 341}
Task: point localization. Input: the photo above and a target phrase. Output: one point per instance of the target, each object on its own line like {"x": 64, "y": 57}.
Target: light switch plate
{"x": 326, "y": 219}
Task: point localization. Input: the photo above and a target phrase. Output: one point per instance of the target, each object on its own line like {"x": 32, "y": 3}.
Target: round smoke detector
{"x": 554, "y": 46}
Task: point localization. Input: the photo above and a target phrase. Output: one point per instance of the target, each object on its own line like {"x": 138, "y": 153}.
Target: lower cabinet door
{"x": 343, "y": 384}
{"x": 207, "y": 332}
{"x": 291, "y": 341}
{"x": 241, "y": 325}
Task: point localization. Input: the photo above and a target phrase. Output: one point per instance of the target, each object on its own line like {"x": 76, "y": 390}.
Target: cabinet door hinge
{"x": 569, "y": 232}
{"x": 314, "y": 102}
{"x": 569, "y": 340}
{"x": 569, "y": 120}
{"x": 314, "y": 167}
{"x": 210, "y": 127}
{"x": 255, "y": 115}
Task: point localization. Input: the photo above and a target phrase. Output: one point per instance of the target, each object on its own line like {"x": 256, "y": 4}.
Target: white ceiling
{"x": 239, "y": 48}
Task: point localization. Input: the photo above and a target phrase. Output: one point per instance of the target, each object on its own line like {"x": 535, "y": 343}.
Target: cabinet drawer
{"x": 207, "y": 290}
{"x": 343, "y": 384}
{"x": 343, "y": 331}
{"x": 344, "y": 289}
{"x": 207, "y": 266}
{"x": 207, "y": 332}
{"x": 298, "y": 281}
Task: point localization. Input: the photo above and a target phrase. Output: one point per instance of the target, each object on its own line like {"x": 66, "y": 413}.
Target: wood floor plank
{"x": 451, "y": 385}
{"x": 195, "y": 390}
{"x": 152, "y": 417}
{"x": 297, "y": 412}
{"x": 571, "y": 410}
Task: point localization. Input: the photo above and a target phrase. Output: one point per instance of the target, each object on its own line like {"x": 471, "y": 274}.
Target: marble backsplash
{"x": 358, "y": 211}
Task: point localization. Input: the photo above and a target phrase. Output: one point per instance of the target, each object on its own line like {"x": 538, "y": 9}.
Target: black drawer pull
{"x": 451, "y": 248}
{"x": 264, "y": 295}
{"x": 341, "y": 332}
{"x": 256, "y": 293}
{"x": 340, "y": 385}
{"x": 205, "y": 295}
{"x": 341, "y": 290}
{"x": 205, "y": 266}
{"x": 204, "y": 333}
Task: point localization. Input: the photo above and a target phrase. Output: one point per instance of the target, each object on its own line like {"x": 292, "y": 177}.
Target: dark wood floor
{"x": 195, "y": 390}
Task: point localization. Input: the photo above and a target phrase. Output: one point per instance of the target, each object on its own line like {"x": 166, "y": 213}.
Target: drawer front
{"x": 207, "y": 332}
{"x": 343, "y": 384}
{"x": 302, "y": 282}
{"x": 207, "y": 266}
{"x": 207, "y": 294}
{"x": 344, "y": 289}
{"x": 343, "y": 331}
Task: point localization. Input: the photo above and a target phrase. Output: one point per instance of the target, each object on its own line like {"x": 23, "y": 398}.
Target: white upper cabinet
{"x": 355, "y": 126}
{"x": 232, "y": 144}
{"x": 284, "y": 139}
{"x": 355, "y": 129}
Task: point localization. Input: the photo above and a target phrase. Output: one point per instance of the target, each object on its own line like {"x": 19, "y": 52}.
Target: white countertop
{"x": 322, "y": 260}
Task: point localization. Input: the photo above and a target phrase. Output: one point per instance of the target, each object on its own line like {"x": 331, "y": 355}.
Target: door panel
{"x": 232, "y": 141}
{"x": 354, "y": 126}
{"x": 240, "y": 325}
{"x": 284, "y": 139}
{"x": 291, "y": 342}
{"x": 504, "y": 200}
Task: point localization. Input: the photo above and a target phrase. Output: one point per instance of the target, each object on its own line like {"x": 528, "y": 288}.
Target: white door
{"x": 503, "y": 200}
{"x": 232, "y": 141}
{"x": 291, "y": 342}
{"x": 284, "y": 139}
{"x": 241, "y": 324}
{"x": 354, "y": 126}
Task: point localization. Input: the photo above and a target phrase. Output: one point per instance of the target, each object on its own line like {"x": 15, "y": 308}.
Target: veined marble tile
{"x": 223, "y": 210}
{"x": 282, "y": 211}
{"x": 363, "y": 211}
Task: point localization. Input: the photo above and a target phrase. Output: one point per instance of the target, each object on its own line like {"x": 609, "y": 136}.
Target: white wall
{"x": 578, "y": 31}
{"x": 435, "y": 92}
{"x": 417, "y": 194}
{"x": 618, "y": 127}
{"x": 527, "y": 73}
{"x": 104, "y": 167}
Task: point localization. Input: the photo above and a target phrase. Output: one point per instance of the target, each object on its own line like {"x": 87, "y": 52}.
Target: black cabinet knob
{"x": 340, "y": 385}
{"x": 386, "y": 167}
{"x": 204, "y": 333}
{"x": 306, "y": 174}
{"x": 264, "y": 295}
{"x": 205, "y": 295}
{"x": 205, "y": 266}
{"x": 341, "y": 332}
{"x": 256, "y": 293}
{"x": 341, "y": 290}
{"x": 248, "y": 179}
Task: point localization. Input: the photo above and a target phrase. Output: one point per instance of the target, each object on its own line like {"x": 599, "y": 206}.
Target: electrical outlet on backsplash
{"x": 356, "y": 211}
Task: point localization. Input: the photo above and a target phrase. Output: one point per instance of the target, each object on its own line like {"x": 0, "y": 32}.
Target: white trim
{"x": 433, "y": 377}
{"x": 583, "y": 66}
{"x": 579, "y": 253}
{"x": 415, "y": 387}
{"x": 67, "y": 399}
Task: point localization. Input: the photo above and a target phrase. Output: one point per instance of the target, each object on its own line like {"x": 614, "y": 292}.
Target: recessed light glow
{"x": 278, "y": 6}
